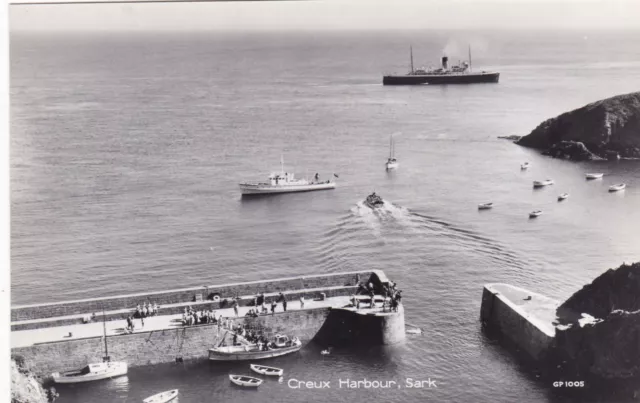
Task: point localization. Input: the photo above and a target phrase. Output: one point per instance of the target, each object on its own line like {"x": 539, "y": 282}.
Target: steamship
{"x": 460, "y": 74}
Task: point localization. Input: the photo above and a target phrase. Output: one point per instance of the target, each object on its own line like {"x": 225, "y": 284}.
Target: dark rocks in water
{"x": 609, "y": 129}
{"x": 512, "y": 137}
{"x": 608, "y": 347}
{"x": 572, "y": 150}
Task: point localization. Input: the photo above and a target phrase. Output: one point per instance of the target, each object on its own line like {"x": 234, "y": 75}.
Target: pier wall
{"x": 160, "y": 346}
{"x": 501, "y": 314}
{"x": 194, "y": 294}
{"x": 346, "y": 326}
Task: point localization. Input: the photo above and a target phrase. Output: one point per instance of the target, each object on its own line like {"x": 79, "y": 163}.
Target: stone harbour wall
{"x": 39, "y": 311}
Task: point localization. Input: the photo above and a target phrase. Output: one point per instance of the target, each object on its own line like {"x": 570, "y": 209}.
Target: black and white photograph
{"x": 322, "y": 201}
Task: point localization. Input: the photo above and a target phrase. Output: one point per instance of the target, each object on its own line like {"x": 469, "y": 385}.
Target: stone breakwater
{"x": 593, "y": 335}
{"x": 47, "y": 343}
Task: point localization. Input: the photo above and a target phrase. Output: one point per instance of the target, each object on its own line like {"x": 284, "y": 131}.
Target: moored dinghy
{"x": 535, "y": 213}
{"x": 593, "y": 176}
{"x": 524, "y": 166}
{"x": 246, "y": 381}
{"x": 617, "y": 187}
{"x": 264, "y": 370}
{"x": 563, "y": 196}
{"x": 485, "y": 206}
{"x": 546, "y": 182}
{"x": 162, "y": 397}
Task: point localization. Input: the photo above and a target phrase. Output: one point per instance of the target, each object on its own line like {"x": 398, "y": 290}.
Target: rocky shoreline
{"x": 608, "y": 129}
{"x": 599, "y": 328}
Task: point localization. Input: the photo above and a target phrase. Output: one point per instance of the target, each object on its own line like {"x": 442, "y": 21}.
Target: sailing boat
{"x": 392, "y": 163}
{"x": 95, "y": 371}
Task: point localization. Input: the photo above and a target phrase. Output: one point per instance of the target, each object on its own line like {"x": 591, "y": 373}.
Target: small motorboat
{"x": 485, "y": 206}
{"x": 563, "y": 196}
{"x": 593, "y": 176}
{"x": 246, "y": 381}
{"x": 546, "y": 182}
{"x": 525, "y": 166}
{"x": 92, "y": 372}
{"x": 264, "y": 370}
{"x": 374, "y": 201}
{"x": 617, "y": 187}
{"x": 535, "y": 213}
{"x": 162, "y": 397}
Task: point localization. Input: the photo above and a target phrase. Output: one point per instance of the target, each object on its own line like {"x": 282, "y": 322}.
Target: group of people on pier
{"x": 391, "y": 295}
{"x": 192, "y": 317}
{"x": 145, "y": 310}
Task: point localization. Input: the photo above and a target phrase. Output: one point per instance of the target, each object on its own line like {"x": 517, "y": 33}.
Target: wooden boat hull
{"x": 114, "y": 370}
{"x": 217, "y": 355}
{"x": 268, "y": 371}
{"x": 485, "y": 206}
{"x": 539, "y": 184}
{"x": 392, "y": 165}
{"x": 593, "y": 176}
{"x": 245, "y": 381}
{"x": 262, "y": 189}
{"x": 617, "y": 188}
{"x": 162, "y": 397}
{"x": 535, "y": 214}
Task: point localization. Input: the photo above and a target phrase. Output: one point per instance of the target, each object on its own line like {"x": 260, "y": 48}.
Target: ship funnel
{"x": 444, "y": 62}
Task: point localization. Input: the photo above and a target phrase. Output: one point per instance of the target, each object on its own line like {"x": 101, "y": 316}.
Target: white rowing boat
{"x": 246, "y": 381}
{"x": 485, "y": 206}
{"x": 162, "y": 397}
{"x": 535, "y": 213}
{"x": 264, "y": 370}
{"x": 617, "y": 187}
{"x": 563, "y": 196}
{"x": 546, "y": 182}
{"x": 594, "y": 176}
{"x": 525, "y": 165}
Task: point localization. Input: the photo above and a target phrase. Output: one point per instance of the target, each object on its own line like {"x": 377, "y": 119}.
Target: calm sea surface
{"x": 126, "y": 152}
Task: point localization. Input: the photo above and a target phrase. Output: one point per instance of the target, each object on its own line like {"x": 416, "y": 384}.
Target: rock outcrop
{"x": 606, "y": 129}
{"x": 608, "y": 346}
{"x": 25, "y": 388}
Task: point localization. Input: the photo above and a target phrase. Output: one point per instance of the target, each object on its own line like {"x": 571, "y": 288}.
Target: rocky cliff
{"x": 606, "y": 129}
{"x": 608, "y": 346}
{"x": 25, "y": 388}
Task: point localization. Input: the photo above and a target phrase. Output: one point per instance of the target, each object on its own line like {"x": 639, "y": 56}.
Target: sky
{"x": 329, "y": 15}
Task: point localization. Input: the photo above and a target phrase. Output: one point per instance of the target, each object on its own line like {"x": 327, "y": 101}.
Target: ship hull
{"x": 441, "y": 79}
{"x": 262, "y": 189}
{"x": 215, "y": 355}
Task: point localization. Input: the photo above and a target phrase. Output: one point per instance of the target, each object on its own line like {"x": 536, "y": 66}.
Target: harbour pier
{"x": 53, "y": 337}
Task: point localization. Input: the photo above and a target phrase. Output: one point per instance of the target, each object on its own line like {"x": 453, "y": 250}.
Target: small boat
{"x": 281, "y": 345}
{"x": 92, "y": 372}
{"x": 285, "y": 182}
{"x": 392, "y": 162}
{"x": 246, "y": 381}
{"x": 162, "y": 397}
{"x": 325, "y": 352}
{"x": 95, "y": 371}
{"x": 593, "y": 176}
{"x": 373, "y": 201}
{"x": 617, "y": 187}
{"x": 485, "y": 206}
{"x": 563, "y": 196}
{"x": 535, "y": 213}
{"x": 263, "y": 370}
{"x": 546, "y": 182}
{"x": 524, "y": 166}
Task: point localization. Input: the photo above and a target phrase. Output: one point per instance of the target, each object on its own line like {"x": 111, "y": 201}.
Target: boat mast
{"x": 469, "y": 57}
{"x": 282, "y": 164}
{"x": 411, "y": 54}
{"x": 104, "y": 330}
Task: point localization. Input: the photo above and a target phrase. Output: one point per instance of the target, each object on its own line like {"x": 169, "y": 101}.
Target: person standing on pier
{"x": 273, "y": 306}
{"x": 302, "y": 302}
{"x": 235, "y": 306}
